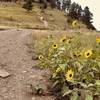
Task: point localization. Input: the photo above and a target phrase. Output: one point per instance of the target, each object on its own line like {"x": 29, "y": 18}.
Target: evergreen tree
{"x": 66, "y": 4}
{"x": 57, "y": 2}
{"x": 52, "y": 3}
{"x": 79, "y": 11}
{"x": 44, "y": 3}
{"x": 73, "y": 11}
{"x": 88, "y": 15}
{"x": 28, "y": 5}
{"x": 87, "y": 18}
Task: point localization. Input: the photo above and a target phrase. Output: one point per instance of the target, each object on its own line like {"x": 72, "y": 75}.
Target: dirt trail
{"x": 15, "y": 59}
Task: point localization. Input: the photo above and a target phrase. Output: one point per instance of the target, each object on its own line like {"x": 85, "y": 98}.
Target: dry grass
{"x": 13, "y": 15}
{"x": 87, "y": 38}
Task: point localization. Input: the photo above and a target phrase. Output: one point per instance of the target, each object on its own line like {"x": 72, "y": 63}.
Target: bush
{"x": 28, "y": 5}
{"x": 74, "y": 66}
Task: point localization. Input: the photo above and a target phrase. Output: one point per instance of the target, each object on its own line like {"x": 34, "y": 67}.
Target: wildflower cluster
{"x": 74, "y": 66}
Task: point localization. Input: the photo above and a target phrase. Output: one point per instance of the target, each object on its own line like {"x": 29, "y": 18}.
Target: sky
{"x": 94, "y": 6}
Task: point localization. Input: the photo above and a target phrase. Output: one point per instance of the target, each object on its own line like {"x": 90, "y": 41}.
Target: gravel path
{"x": 15, "y": 59}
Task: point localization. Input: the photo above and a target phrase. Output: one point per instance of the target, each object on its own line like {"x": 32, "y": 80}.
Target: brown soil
{"x": 16, "y": 60}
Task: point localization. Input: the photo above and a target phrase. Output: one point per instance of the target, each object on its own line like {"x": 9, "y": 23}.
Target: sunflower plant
{"x": 74, "y": 70}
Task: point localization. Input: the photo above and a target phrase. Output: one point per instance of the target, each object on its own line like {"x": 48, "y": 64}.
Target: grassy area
{"x": 13, "y": 15}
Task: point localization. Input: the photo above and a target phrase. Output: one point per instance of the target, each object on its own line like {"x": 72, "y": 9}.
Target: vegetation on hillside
{"x": 70, "y": 11}
{"x": 74, "y": 64}
{"x": 73, "y": 10}
{"x": 28, "y": 5}
{"x": 14, "y": 16}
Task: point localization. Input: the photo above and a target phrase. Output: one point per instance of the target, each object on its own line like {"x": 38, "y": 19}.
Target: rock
{"x": 33, "y": 98}
{"x": 4, "y": 73}
{"x": 41, "y": 18}
{"x": 45, "y": 24}
{"x": 24, "y": 71}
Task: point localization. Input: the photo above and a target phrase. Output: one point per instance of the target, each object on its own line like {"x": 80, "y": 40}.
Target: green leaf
{"x": 90, "y": 85}
{"x": 78, "y": 64}
{"x": 97, "y": 82}
{"x": 65, "y": 90}
{"x": 99, "y": 64}
{"x": 55, "y": 83}
{"x": 54, "y": 75}
{"x": 75, "y": 96}
{"x": 63, "y": 66}
{"x": 89, "y": 97}
{"x": 83, "y": 85}
{"x": 62, "y": 49}
{"x": 95, "y": 69}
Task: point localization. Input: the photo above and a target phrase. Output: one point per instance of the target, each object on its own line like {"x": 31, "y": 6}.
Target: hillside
{"x": 13, "y": 15}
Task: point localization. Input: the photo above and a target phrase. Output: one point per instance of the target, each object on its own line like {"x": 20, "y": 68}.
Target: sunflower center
{"x": 63, "y": 40}
{"x": 70, "y": 75}
{"x": 75, "y": 23}
{"x": 88, "y": 54}
{"x": 54, "y": 45}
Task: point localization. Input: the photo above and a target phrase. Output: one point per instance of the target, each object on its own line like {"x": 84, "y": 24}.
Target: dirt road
{"x": 15, "y": 59}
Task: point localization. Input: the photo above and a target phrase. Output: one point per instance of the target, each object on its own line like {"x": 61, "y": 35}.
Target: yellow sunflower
{"x": 88, "y": 53}
{"x": 74, "y": 23}
{"x": 69, "y": 75}
{"x": 63, "y": 39}
{"x": 98, "y": 39}
{"x": 54, "y": 46}
{"x": 40, "y": 57}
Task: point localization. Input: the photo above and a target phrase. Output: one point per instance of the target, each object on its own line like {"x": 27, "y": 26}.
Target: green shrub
{"x": 28, "y": 5}
{"x": 74, "y": 63}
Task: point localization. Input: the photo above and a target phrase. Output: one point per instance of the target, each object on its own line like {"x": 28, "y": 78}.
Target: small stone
{"x": 33, "y": 98}
{"x": 41, "y": 18}
{"x": 33, "y": 76}
{"x": 24, "y": 71}
{"x": 4, "y": 73}
{"x": 45, "y": 24}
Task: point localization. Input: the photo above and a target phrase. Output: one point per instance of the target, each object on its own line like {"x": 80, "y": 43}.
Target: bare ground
{"x": 16, "y": 60}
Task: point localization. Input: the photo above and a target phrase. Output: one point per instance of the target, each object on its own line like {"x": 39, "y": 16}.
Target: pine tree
{"x": 52, "y": 3}
{"x": 79, "y": 11}
{"x": 87, "y": 18}
{"x": 73, "y": 11}
{"x": 88, "y": 15}
{"x": 66, "y": 4}
{"x": 28, "y": 5}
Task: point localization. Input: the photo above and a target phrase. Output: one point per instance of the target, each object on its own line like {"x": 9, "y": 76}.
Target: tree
{"x": 58, "y": 3}
{"x": 87, "y": 18}
{"x": 66, "y": 4}
{"x": 73, "y": 11}
{"x": 88, "y": 15}
{"x": 44, "y": 3}
{"x": 79, "y": 12}
{"x": 52, "y": 3}
{"x": 28, "y": 5}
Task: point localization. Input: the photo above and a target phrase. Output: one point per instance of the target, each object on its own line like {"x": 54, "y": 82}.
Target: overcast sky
{"x": 94, "y": 6}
